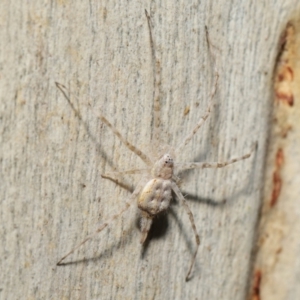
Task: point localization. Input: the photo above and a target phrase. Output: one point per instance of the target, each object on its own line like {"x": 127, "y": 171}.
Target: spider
{"x": 154, "y": 190}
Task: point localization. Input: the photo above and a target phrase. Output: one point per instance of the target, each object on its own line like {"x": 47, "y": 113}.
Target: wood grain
{"x": 51, "y": 161}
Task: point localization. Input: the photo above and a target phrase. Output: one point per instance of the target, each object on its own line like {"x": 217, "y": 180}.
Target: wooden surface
{"x": 52, "y": 193}
{"x": 277, "y": 262}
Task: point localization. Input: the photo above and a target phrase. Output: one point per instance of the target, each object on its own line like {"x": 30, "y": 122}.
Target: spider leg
{"x": 115, "y": 176}
{"x": 212, "y": 94}
{"x": 118, "y": 173}
{"x": 63, "y": 89}
{"x": 106, "y": 223}
{"x": 191, "y": 217}
{"x": 146, "y": 222}
{"x": 130, "y": 146}
{"x": 203, "y": 165}
{"x": 187, "y": 139}
{"x": 157, "y": 83}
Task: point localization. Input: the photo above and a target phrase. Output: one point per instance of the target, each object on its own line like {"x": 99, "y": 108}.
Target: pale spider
{"x": 154, "y": 190}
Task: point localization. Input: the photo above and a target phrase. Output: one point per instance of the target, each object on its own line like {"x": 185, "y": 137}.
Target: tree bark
{"x": 52, "y": 154}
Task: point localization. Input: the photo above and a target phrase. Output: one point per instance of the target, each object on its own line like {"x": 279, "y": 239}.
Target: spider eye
{"x": 167, "y": 160}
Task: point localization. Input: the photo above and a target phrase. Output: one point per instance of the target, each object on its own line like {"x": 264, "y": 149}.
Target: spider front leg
{"x": 202, "y": 119}
{"x": 116, "y": 176}
{"x": 203, "y": 165}
{"x": 115, "y": 131}
{"x": 111, "y": 175}
{"x": 176, "y": 190}
{"x": 187, "y": 139}
{"x": 156, "y": 85}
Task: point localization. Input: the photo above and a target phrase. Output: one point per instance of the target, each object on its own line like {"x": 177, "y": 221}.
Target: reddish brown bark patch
{"x": 256, "y": 285}
{"x": 277, "y": 180}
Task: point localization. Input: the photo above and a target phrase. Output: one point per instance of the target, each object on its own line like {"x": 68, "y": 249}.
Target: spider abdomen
{"x": 155, "y": 196}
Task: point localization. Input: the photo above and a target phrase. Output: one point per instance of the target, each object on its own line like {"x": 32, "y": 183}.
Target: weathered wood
{"x": 52, "y": 193}
{"x": 276, "y": 271}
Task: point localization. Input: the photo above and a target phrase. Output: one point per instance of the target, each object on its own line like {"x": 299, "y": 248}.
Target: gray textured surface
{"x": 52, "y": 194}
